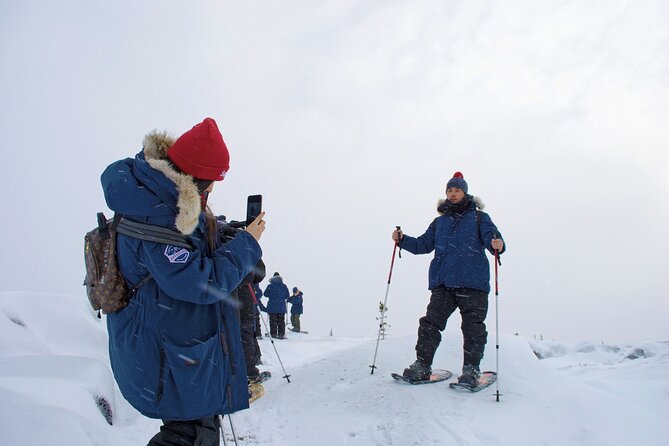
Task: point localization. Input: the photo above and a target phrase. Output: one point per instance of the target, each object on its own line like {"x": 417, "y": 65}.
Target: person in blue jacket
{"x": 459, "y": 277}
{"x": 296, "y": 309}
{"x": 277, "y": 292}
{"x": 175, "y": 350}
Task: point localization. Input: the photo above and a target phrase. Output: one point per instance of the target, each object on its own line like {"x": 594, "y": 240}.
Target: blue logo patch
{"x": 176, "y": 254}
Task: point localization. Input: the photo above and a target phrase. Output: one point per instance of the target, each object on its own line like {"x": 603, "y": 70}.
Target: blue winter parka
{"x": 277, "y": 292}
{"x": 176, "y": 349}
{"x": 459, "y": 242}
{"x": 295, "y": 301}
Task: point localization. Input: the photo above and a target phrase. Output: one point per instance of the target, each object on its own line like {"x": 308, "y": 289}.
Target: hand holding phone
{"x": 256, "y": 227}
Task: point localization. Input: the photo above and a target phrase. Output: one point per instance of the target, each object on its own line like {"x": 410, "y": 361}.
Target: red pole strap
{"x": 253, "y": 293}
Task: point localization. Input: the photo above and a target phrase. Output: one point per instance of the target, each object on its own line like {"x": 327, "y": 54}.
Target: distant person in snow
{"x": 459, "y": 277}
{"x": 295, "y": 301}
{"x": 277, "y": 292}
{"x": 168, "y": 347}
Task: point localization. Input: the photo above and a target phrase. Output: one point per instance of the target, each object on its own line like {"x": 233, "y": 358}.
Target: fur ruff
{"x": 477, "y": 200}
{"x": 156, "y": 145}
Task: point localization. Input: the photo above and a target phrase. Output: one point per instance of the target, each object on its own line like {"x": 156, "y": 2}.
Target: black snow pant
{"x": 258, "y": 327}
{"x": 247, "y": 322}
{"x": 204, "y": 432}
{"x": 277, "y": 324}
{"x": 473, "y": 305}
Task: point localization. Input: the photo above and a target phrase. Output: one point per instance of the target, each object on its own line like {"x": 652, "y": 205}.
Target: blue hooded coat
{"x": 175, "y": 350}
{"x": 296, "y": 303}
{"x": 277, "y": 292}
{"x": 459, "y": 242}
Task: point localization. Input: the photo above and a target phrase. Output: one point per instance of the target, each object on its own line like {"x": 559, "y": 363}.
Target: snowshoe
{"x": 483, "y": 381}
{"x": 256, "y": 390}
{"x": 435, "y": 376}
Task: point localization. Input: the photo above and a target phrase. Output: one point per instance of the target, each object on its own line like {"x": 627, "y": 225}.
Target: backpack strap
{"x": 153, "y": 233}
{"x": 131, "y": 292}
{"x": 150, "y": 233}
{"x": 105, "y": 226}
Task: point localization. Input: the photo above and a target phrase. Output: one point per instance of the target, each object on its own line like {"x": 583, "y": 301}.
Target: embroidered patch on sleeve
{"x": 176, "y": 254}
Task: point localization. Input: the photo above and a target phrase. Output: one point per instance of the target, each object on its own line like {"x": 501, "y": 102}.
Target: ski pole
{"x": 285, "y": 375}
{"x": 497, "y": 394}
{"x": 385, "y": 299}
{"x": 232, "y": 428}
{"x": 220, "y": 426}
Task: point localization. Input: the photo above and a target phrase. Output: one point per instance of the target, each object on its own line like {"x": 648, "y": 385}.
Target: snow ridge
{"x": 54, "y": 368}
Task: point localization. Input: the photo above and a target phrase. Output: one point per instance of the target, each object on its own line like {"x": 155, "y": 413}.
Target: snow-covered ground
{"x": 54, "y": 373}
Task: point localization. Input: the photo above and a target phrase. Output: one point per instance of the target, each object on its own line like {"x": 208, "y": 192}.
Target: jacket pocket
{"x": 193, "y": 379}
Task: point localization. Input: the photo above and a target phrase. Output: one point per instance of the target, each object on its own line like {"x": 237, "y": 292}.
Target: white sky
{"x": 349, "y": 117}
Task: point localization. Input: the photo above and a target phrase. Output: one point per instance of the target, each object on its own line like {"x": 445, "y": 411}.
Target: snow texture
{"x": 56, "y": 388}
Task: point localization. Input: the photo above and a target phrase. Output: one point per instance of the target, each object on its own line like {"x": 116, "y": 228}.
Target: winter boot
{"x": 470, "y": 375}
{"x": 417, "y": 372}
{"x": 260, "y": 378}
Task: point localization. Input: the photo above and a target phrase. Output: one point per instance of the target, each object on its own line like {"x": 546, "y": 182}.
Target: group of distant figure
{"x": 277, "y": 294}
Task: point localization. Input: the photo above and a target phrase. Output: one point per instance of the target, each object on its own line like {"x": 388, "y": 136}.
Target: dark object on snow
{"x": 105, "y": 408}
{"x": 636, "y": 354}
{"x": 436, "y": 376}
{"x": 17, "y": 321}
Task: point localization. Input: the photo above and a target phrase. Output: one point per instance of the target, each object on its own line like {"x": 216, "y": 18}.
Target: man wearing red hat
{"x": 175, "y": 350}
{"x": 459, "y": 278}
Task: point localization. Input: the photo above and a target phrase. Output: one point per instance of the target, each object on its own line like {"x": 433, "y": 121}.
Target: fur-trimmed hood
{"x": 276, "y": 279}
{"x": 479, "y": 204}
{"x": 155, "y": 149}
{"x": 149, "y": 188}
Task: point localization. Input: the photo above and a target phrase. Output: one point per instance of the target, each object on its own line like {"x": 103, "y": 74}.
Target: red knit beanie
{"x": 201, "y": 152}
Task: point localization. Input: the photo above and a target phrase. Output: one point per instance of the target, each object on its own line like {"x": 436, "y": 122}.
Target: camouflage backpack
{"x": 105, "y": 286}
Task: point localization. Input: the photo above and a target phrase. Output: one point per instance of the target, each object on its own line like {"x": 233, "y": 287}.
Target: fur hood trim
{"x": 477, "y": 200}
{"x": 189, "y": 205}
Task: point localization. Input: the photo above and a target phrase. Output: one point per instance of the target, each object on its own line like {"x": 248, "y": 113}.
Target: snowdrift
{"x": 56, "y": 388}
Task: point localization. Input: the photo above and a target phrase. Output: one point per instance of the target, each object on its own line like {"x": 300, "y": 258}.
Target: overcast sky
{"x": 350, "y": 117}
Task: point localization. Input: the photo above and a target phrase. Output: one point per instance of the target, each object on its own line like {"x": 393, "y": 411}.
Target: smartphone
{"x": 253, "y": 207}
